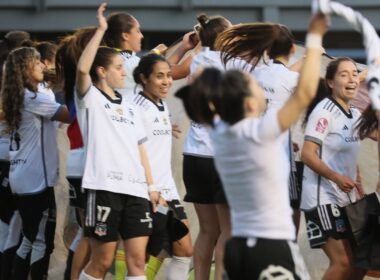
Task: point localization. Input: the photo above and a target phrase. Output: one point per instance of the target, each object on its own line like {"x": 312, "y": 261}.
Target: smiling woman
{"x": 29, "y": 114}
{"x": 155, "y": 77}
{"x": 330, "y": 155}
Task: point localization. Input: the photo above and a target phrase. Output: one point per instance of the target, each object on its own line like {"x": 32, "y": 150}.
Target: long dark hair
{"x": 368, "y": 123}
{"x": 16, "y": 78}
{"x": 118, "y": 23}
{"x": 214, "y": 92}
{"x": 68, "y": 53}
{"x": 250, "y": 41}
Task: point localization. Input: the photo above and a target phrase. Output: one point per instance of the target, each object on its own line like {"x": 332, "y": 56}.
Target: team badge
{"x": 119, "y": 110}
{"x": 321, "y": 125}
{"x": 164, "y": 120}
{"x": 101, "y": 229}
{"x": 340, "y": 226}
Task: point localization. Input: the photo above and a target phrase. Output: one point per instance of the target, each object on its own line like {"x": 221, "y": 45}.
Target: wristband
{"x": 156, "y": 51}
{"x": 313, "y": 41}
{"x": 152, "y": 188}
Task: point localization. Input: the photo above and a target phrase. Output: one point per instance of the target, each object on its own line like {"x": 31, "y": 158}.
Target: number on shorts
{"x": 335, "y": 210}
{"x": 103, "y": 213}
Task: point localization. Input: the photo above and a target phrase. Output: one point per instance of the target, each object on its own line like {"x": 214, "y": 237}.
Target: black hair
{"x": 103, "y": 58}
{"x": 145, "y": 66}
{"x": 214, "y": 92}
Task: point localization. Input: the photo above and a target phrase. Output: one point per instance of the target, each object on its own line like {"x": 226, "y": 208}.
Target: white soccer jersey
{"x": 278, "y": 83}
{"x": 334, "y": 130}
{"x": 131, "y": 60}
{"x": 256, "y": 188}
{"x": 34, "y": 165}
{"x": 111, "y": 131}
{"x": 198, "y": 140}
{"x": 156, "y": 121}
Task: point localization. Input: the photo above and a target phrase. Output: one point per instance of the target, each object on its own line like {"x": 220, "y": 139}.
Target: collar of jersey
{"x": 116, "y": 101}
{"x": 275, "y": 61}
{"x": 160, "y": 106}
{"x": 348, "y": 114}
{"x": 124, "y": 52}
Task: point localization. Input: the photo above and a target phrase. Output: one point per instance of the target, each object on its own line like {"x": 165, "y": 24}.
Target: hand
{"x": 190, "y": 40}
{"x": 154, "y": 199}
{"x": 318, "y": 24}
{"x": 344, "y": 183}
{"x": 162, "y": 201}
{"x": 102, "y": 20}
{"x": 176, "y": 131}
{"x": 162, "y": 48}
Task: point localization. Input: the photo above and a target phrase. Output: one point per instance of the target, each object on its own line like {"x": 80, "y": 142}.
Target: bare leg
{"x": 208, "y": 235}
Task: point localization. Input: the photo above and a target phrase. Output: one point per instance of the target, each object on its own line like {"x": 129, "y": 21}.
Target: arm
{"x": 309, "y": 78}
{"x": 153, "y": 194}
{"x": 297, "y": 66}
{"x": 181, "y": 69}
{"x": 83, "y": 79}
{"x": 311, "y": 158}
{"x": 63, "y": 115}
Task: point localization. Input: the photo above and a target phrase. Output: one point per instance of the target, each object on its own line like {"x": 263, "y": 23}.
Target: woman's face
{"x": 158, "y": 84}
{"x": 115, "y": 72}
{"x": 345, "y": 83}
{"x": 37, "y": 71}
{"x": 133, "y": 38}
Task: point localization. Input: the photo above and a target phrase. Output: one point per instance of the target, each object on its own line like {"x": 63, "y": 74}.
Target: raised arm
{"x": 83, "y": 79}
{"x": 309, "y": 76}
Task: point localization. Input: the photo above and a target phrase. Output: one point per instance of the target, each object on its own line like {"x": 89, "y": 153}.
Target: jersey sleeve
{"x": 263, "y": 129}
{"x": 42, "y": 105}
{"x": 318, "y": 125}
{"x": 139, "y": 124}
{"x": 269, "y": 127}
{"x": 84, "y": 101}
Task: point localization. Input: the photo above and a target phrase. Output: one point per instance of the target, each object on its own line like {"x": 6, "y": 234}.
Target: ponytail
{"x": 251, "y": 41}
{"x": 214, "y": 93}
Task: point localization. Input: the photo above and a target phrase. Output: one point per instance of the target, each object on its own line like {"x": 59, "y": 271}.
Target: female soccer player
{"x": 117, "y": 172}
{"x": 256, "y": 189}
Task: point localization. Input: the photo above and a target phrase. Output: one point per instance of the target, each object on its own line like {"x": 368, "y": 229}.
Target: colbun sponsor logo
{"x": 162, "y": 132}
{"x": 351, "y": 139}
{"x": 121, "y": 119}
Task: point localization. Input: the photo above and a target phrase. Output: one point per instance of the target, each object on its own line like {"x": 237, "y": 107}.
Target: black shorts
{"x": 109, "y": 214}
{"x": 202, "y": 181}
{"x": 325, "y": 221}
{"x": 167, "y": 228}
{"x": 7, "y": 203}
{"x": 76, "y": 193}
{"x": 295, "y": 185}
{"x": 250, "y": 259}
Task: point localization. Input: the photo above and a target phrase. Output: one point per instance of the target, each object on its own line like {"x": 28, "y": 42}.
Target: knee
{"x": 343, "y": 264}
{"x": 102, "y": 264}
{"x": 135, "y": 264}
